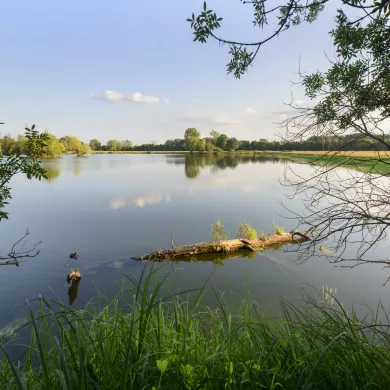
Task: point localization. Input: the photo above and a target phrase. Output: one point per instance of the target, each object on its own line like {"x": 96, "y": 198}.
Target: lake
{"x": 112, "y": 207}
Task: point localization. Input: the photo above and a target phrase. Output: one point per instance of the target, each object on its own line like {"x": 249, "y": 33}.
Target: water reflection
{"x": 77, "y": 166}
{"x": 194, "y": 163}
{"x": 53, "y": 167}
{"x": 73, "y": 290}
{"x": 119, "y": 202}
{"x": 52, "y": 171}
{"x": 129, "y": 205}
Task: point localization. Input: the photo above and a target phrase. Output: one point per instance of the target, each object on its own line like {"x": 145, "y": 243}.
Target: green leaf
{"x": 162, "y": 365}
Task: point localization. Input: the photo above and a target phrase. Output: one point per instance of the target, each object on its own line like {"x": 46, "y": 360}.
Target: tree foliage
{"x": 232, "y": 144}
{"x": 191, "y": 139}
{"x": 18, "y": 163}
{"x": 222, "y": 141}
{"x": 74, "y": 145}
{"x": 350, "y": 110}
{"x": 114, "y": 145}
{"x": 352, "y": 103}
{"x": 95, "y": 144}
{"x": 278, "y": 18}
{"x": 53, "y": 146}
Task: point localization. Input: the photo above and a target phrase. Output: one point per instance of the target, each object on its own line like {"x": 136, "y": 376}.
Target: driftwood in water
{"x": 226, "y": 246}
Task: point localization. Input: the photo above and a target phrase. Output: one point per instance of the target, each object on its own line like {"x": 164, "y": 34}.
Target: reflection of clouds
{"x": 117, "y": 203}
{"x": 223, "y": 181}
{"x": 144, "y": 201}
{"x": 140, "y": 201}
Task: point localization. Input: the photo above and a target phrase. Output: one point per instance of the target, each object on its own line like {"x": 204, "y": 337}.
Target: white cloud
{"x": 299, "y": 102}
{"x": 110, "y": 96}
{"x": 250, "y": 110}
{"x": 136, "y": 97}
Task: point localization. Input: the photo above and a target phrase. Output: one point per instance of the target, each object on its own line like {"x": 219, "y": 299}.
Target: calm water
{"x": 109, "y": 208}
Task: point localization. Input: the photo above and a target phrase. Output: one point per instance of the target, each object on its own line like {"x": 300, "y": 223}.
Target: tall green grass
{"x": 140, "y": 340}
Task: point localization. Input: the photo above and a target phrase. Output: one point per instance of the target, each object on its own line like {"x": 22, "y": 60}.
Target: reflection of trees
{"x": 226, "y": 161}
{"x": 175, "y": 159}
{"x": 73, "y": 290}
{"x": 192, "y": 166}
{"x": 193, "y": 163}
{"x": 52, "y": 172}
{"x": 77, "y": 166}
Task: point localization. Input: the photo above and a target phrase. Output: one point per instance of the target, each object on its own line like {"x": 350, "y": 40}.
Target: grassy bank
{"x": 142, "y": 341}
{"x": 364, "y": 161}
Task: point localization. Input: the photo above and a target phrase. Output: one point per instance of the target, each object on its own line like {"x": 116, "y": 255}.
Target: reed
{"x": 145, "y": 338}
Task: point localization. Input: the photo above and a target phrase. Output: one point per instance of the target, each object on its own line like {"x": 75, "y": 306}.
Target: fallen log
{"x": 226, "y": 246}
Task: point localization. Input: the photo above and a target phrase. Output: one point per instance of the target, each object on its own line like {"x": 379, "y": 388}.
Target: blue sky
{"x": 60, "y": 60}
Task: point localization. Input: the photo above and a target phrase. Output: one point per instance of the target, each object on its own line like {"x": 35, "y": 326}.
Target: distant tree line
{"x": 192, "y": 141}
{"x": 216, "y": 141}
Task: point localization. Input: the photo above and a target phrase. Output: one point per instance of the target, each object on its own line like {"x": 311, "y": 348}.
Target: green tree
{"x": 26, "y": 164}
{"x": 53, "y": 146}
{"x": 114, "y": 145}
{"x": 280, "y": 18}
{"x": 191, "y": 139}
{"x": 263, "y": 144}
{"x": 232, "y": 144}
{"x": 21, "y": 144}
{"x": 222, "y": 141}
{"x": 351, "y": 98}
{"x": 214, "y": 136}
{"x": 75, "y": 145}
{"x": 202, "y": 145}
{"x": 209, "y": 146}
{"x": 82, "y": 149}
{"x": 127, "y": 145}
{"x": 8, "y": 145}
{"x": 95, "y": 144}
{"x": 67, "y": 142}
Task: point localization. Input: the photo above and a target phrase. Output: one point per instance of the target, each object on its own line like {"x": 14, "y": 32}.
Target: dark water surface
{"x": 109, "y": 208}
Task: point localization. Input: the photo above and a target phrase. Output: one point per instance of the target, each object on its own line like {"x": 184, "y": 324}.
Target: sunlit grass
{"x": 363, "y": 161}
{"x": 358, "y": 153}
{"x": 140, "y": 340}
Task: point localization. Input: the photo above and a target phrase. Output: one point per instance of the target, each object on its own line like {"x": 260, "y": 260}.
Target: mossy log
{"x": 226, "y": 246}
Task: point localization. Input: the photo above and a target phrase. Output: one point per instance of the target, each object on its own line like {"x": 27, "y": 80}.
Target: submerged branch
{"x": 17, "y": 252}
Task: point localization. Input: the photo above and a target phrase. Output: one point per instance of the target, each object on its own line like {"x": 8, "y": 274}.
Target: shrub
{"x": 277, "y": 229}
{"x": 246, "y": 231}
{"x": 218, "y": 231}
